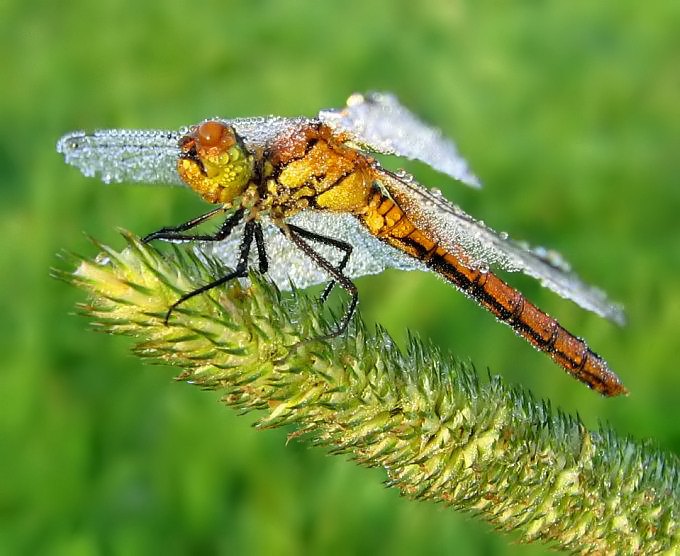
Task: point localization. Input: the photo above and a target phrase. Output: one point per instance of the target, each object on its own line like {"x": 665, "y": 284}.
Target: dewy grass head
{"x": 214, "y": 162}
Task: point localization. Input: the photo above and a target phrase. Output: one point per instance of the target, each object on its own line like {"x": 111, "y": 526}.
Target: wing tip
{"x": 67, "y": 143}
{"x": 617, "y": 314}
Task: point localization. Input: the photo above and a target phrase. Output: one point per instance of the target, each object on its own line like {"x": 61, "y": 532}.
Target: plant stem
{"x": 438, "y": 431}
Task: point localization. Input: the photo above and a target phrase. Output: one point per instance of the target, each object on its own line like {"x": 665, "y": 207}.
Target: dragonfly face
{"x": 307, "y": 188}
{"x": 214, "y": 162}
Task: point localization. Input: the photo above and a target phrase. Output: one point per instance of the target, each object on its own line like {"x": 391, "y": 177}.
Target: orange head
{"x": 214, "y": 162}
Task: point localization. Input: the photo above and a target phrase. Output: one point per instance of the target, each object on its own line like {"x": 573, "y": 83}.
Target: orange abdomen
{"x": 388, "y": 222}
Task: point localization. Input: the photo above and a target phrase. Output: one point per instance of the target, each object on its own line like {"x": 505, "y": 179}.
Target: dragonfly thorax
{"x": 214, "y": 162}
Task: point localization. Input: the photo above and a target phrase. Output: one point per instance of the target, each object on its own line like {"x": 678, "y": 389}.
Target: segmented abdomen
{"x": 388, "y": 222}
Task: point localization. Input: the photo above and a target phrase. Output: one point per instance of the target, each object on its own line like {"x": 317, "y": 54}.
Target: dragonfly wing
{"x": 288, "y": 265}
{"x": 379, "y": 123}
{"x": 124, "y": 155}
{"x": 259, "y": 131}
{"x": 150, "y": 156}
{"x": 478, "y": 245}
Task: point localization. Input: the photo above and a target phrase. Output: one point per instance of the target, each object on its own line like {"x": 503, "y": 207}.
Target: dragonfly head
{"x": 214, "y": 162}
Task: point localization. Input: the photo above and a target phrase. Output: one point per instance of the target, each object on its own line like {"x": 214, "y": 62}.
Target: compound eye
{"x": 212, "y": 134}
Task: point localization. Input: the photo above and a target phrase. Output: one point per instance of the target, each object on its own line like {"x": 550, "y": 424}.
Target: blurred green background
{"x": 570, "y": 114}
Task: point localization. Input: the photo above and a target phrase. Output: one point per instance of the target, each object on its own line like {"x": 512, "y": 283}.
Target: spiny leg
{"x": 337, "y": 243}
{"x": 296, "y": 236}
{"x": 173, "y": 233}
{"x": 261, "y": 251}
{"x": 251, "y": 228}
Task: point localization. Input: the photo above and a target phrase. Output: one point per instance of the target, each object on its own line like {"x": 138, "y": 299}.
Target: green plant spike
{"x": 437, "y": 431}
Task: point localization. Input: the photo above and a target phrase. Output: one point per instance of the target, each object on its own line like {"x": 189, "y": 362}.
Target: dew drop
{"x": 102, "y": 259}
{"x": 355, "y": 99}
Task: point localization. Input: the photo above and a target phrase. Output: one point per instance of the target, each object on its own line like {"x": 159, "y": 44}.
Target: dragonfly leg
{"x": 296, "y": 235}
{"x": 261, "y": 252}
{"x": 325, "y": 240}
{"x": 173, "y": 233}
{"x": 251, "y": 228}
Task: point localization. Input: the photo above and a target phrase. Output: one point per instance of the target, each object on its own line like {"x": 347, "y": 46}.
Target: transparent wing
{"x": 118, "y": 155}
{"x": 150, "y": 156}
{"x": 378, "y": 122}
{"x": 287, "y": 263}
{"x": 479, "y": 245}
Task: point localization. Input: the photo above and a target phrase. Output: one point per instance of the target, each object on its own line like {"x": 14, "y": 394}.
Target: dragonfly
{"x": 318, "y": 206}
